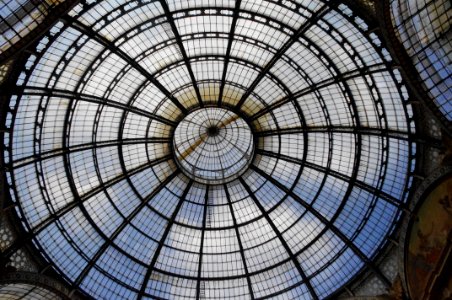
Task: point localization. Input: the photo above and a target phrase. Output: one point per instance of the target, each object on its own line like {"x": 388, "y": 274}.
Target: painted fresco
{"x": 428, "y": 239}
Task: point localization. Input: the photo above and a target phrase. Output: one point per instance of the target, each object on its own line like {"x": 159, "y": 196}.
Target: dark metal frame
{"x": 52, "y": 16}
{"x": 357, "y": 130}
{"x": 411, "y": 75}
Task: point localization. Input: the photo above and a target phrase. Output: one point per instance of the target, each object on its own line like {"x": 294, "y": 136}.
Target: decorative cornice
{"x": 38, "y": 280}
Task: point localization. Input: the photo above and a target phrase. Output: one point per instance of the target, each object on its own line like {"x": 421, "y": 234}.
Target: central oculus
{"x": 213, "y": 145}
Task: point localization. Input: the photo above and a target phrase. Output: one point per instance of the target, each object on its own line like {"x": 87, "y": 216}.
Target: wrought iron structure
{"x": 23, "y": 21}
{"x": 317, "y": 115}
{"x": 420, "y": 33}
{"x": 213, "y": 145}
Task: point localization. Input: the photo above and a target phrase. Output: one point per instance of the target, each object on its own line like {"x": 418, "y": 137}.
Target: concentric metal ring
{"x": 213, "y": 145}
{"x": 113, "y": 158}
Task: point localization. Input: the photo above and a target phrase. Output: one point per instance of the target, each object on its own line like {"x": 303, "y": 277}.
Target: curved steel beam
{"x": 74, "y": 23}
{"x": 162, "y": 241}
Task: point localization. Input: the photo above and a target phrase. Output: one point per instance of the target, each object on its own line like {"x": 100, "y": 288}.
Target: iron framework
{"x": 89, "y": 156}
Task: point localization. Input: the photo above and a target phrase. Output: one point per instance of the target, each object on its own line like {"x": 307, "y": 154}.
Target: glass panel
{"x": 280, "y": 180}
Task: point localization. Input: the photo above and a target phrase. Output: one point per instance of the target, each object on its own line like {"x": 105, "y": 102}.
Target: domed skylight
{"x": 213, "y": 145}
{"x": 210, "y": 149}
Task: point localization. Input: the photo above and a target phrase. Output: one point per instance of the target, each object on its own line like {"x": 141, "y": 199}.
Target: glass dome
{"x": 213, "y": 145}
{"x": 21, "y": 19}
{"x": 423, "y": 27}
{"x": 210, "y": 149}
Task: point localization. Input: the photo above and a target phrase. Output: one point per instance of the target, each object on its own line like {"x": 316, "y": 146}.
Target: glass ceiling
{"x": 424, "y": 30}
{"x": 122, "y": 208}
{"x": 18, "y": 18}
{"x": 213, "y": 145}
